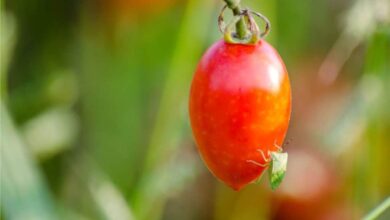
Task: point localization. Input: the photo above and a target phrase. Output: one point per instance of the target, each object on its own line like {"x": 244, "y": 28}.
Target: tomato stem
{"x": 241, "y": 28}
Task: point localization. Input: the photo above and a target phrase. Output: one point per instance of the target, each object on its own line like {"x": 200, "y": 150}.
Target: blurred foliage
{"x": 94, "y": 120}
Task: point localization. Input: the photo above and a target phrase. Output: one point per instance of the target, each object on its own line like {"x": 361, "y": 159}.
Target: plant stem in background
{"x": 377, "y": 211}
{"x": 24, "y": 192}
{"x": 149, "y": 199}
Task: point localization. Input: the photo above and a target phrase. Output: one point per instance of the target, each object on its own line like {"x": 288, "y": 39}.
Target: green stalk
{"x": 234, "y": 5}
{"x": 159, "y": 175}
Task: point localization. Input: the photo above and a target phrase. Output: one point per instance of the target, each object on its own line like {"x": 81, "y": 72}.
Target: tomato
{"x": 240, "y": 104}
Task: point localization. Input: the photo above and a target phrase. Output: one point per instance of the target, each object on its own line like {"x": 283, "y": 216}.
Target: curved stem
{"x": 234, "y": 5}
{"x": 380, "y": 209}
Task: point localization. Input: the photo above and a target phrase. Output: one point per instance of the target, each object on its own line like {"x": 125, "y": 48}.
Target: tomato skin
{"x": 240, "y": 101}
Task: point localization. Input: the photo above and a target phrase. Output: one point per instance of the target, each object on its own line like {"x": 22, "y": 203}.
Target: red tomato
{"x": 240, "y": 103}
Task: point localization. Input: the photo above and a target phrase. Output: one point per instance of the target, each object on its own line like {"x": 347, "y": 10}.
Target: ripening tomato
{"x": 240, "y": 104}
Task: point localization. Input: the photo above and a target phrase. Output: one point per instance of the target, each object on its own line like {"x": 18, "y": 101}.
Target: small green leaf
{"x": 277, "y": 168}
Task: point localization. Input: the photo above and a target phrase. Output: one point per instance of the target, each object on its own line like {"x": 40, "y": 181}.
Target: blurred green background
{"x": 94, "y": 118}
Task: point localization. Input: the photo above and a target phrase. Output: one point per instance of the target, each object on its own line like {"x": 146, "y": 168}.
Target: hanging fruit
{"x": 240, "y": 103}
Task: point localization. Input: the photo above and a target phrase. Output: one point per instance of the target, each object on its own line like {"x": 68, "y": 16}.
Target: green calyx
{"x": 242, "y": 29}
{"x": 233, "y": 37}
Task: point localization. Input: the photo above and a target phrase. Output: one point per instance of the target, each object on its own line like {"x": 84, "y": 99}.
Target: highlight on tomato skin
{"x": 240, "y": 104}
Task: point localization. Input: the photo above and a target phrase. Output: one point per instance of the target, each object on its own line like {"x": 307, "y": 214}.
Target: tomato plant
{"x": 240, "y": 103}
